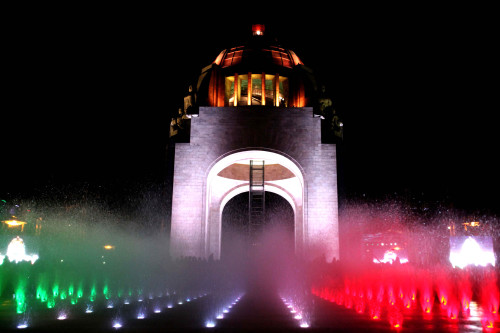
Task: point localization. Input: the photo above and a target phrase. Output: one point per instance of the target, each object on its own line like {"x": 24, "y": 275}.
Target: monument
{"x": 255, "y": 126}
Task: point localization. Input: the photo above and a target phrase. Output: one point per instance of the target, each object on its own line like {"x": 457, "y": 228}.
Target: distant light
{"x": 21, "y": 326}
{"x": 16, "y": 251}
{"x": 157, "y": 310}
{"x": 304, "y": 325}
{"x": 109, "y": 247}
{"x": 62, "y": 316}
{"x": 472, "y": 253}
{"x": 390, "y": 257}
{"x": 14, "y": 223}
{"x": 117, "y": 325}
{"x": 210, "y": 324}
{"x": 258, "y": 29}
{"x": 141, "y": 316}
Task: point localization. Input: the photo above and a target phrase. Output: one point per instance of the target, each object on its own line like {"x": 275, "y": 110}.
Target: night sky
{"x": 88, "y": 98}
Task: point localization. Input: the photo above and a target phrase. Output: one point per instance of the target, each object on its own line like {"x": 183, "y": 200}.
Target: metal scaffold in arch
{"x": 256, "y": 199}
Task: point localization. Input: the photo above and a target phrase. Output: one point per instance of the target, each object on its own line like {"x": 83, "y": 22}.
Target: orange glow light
{"x": 109, "y": 247}
{"x": 258, "y": 29}
{"x": 14, "y": 223}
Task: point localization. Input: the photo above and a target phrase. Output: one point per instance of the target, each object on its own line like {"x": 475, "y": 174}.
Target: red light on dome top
{"x": 258, "y": 29}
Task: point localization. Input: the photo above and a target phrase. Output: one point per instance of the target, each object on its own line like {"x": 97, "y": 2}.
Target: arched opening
{"x": 277, "y": 234}
{"x": 229, "y": 176}
{"x": 196, "y": 230}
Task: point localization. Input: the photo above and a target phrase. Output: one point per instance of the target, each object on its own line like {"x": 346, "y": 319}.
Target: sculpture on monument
{"x": 332, "y": 126}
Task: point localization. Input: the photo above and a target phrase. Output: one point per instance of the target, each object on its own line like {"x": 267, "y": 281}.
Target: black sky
{"x": 89, "y": 96}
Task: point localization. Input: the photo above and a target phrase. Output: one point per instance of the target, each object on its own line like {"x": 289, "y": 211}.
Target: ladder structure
{"x": 256, "y": 200}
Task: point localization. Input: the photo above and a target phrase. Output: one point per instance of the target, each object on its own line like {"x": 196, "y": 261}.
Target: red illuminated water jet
{"x": 388, "y": 292}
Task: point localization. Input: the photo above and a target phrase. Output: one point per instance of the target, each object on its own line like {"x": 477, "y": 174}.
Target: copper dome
{"x": 274, "y": 55}
{"x": 259, "y": 72}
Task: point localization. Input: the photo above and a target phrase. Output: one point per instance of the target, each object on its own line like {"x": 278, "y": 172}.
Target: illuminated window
{"x": 229, "y": 95}
{"x": 257, "y": 93}
{"x": 283, "y": 91}
{"x": 243, "y": 89}
{"x": 269, "y": 89}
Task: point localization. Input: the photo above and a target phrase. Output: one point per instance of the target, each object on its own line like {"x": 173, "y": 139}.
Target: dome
{"x": 259, "y": 72}
{"x": 253, "y": 57}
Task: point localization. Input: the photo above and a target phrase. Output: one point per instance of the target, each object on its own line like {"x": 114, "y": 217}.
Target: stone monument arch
{"x": 254, "y": 102}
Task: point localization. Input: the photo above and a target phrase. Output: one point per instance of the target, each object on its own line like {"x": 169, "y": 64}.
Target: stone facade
{"x": 292, "y": 133}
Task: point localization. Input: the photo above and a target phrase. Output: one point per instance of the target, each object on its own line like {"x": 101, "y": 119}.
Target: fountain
{"x": 105, "y": 274}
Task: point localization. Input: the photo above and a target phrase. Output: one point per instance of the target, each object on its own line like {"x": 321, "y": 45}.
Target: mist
{"x": 94, "y": 259}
